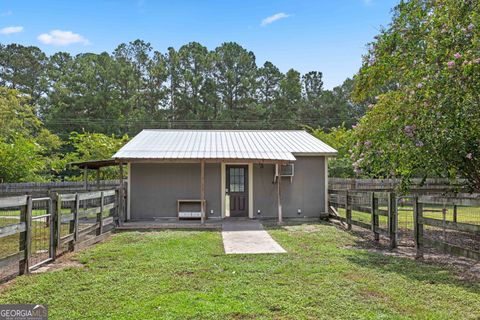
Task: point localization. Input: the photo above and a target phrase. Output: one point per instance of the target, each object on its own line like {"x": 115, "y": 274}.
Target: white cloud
{"x": 62, "y": 38}
{"x": 275, "y": 17}
{"x": 11, "y": 30}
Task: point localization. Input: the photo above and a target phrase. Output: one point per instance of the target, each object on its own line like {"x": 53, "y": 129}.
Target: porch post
{"x": 326, "y": 185}
{"x": 85, "y": 178}
{"x": 98, "y": 178}
{"x": 121, "y": 209}
{"x": 279, "y": 193}
{"x": 202, "y": 190}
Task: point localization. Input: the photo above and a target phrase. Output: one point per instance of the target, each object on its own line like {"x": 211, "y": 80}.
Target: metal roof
{"x": 223, "y": 144}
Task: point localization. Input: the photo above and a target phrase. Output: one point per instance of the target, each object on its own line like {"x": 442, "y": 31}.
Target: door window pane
{"x": 237, "y": 179}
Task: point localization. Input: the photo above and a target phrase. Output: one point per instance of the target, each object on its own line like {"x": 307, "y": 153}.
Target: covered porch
{"x": 172, "y": 223}
{"x": 226, "y": 185}
{"x": 218, "y": 174}
{"x": 229, "y": 181}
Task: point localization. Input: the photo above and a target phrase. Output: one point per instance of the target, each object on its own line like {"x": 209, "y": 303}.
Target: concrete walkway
{"x": 247, "y": 237}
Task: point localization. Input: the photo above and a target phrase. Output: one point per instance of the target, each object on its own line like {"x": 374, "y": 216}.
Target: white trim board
{"x": 250, "y": 190}
{"x": 223, "y": 187}
{"x": 223, "y": 176}
{"x": 129, "y": 183}
{"x": 326, "y": 183}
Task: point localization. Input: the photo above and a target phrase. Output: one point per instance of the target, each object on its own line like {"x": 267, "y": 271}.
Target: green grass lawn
{"x": 186, "y": 275}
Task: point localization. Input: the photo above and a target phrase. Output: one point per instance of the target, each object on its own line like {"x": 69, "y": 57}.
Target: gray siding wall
{"x": 155, "y": 188}
{"x": 306, "y": 192}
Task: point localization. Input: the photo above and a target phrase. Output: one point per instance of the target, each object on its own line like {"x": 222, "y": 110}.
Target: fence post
{"x": 352, "y": 184}
{"x": 77, "y": 210}
{"x": 120, "y": 197}
{"x": 374, "y": 205}
{"x": 455, "y": 213}
{"x": 348, "y": 211}
{"x": 392, "y": 219}
{"x": 100, "y": 216}
{"x": 118, "y": 207}
{"x": 444, "y": 221}
{"x": 26, "y": 236}
{"x": 74, "y": 224}
{"x": 418, "y": 227}
{"x": 52, "y": 220}
{"x": 58, "y": 221}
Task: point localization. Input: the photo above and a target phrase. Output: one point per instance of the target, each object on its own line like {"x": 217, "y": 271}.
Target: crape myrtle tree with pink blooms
{"x": 421, "y": 77}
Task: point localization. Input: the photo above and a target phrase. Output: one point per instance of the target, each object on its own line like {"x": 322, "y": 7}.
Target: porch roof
{"x": 266, "y": 145}
{"x": 94, "y": 164}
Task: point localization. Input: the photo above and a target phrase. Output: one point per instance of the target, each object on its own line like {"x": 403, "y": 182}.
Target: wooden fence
{"x": 46, "y": 188}
{"x": 446, "y": 233}
{"x": 417, "y": 186}
{"x": 34, "y": 231}
{"x": 449, "y": 225}
{"x": 375, "y": 211}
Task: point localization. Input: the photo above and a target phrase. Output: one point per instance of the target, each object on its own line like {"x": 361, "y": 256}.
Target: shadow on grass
{"x": 416, "y": 270}
{"x": 274, "y": 225}
{"x": 429, "y": 272}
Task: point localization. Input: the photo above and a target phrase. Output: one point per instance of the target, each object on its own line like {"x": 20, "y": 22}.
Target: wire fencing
{"x": 42, "y": 229}
{"x": 34, "y": 231}
{"x": 375, "y": 211}
{"x": 438, "y": 223}
{"x": 9, "y": 242}
{"x": 447, "y": 224}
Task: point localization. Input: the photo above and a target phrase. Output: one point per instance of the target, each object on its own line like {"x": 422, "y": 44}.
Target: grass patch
{"x": 185, "y": 275}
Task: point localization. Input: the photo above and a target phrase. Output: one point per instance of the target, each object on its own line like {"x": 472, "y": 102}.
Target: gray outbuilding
{"x": 215, "y": 174}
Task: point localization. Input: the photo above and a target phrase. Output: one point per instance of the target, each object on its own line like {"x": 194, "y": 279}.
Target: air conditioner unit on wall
{"x": 285, "y": 170}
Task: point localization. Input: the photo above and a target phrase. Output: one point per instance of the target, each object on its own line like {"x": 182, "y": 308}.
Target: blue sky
{"x": 324, "y": 35}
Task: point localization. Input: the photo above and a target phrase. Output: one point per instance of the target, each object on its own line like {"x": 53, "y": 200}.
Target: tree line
{"x": 62, "y": 108}
{"x": 410, "y": 112}
{"x": 137, "y": 87}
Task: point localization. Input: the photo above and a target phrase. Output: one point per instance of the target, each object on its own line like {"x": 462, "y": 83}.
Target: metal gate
{"x": 405, "y": 221}
{"x": 42, "y": 235}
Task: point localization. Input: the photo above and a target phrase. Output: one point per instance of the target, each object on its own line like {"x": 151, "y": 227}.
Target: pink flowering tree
{"x": 423, "y": 75}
